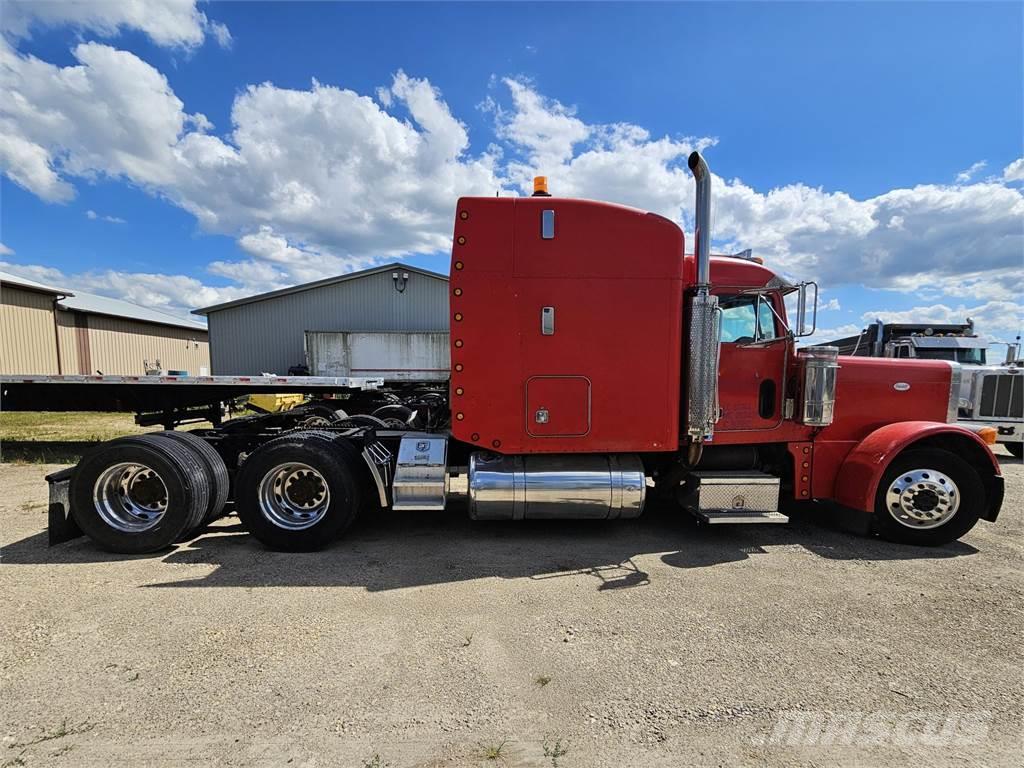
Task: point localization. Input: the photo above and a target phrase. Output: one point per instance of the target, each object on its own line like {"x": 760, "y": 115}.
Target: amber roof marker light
{"x": 540, "y": 186}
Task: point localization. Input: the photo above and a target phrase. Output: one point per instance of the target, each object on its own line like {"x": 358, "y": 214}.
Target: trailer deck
{"x": 167, "y": 400}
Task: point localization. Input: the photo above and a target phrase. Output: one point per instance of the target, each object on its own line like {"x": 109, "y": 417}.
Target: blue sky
{"x": 865, "y": 120}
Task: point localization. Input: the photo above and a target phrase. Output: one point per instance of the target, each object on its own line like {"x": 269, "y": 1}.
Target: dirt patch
{"x": 420, "y": 640}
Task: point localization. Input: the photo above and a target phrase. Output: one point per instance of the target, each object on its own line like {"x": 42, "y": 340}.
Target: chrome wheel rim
{"x": 316, "y": 421}
{"x": 922, "y": 499}
{"x": 130, "y": 497}
{"x": 294, "y": 496}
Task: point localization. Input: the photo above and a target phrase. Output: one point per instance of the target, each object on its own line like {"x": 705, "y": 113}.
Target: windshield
{"x": 974, "y": 356}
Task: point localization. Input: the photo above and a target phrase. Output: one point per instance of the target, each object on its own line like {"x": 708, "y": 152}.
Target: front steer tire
{"x": 299, "y": 492}
{"x": 917, "y": 471}
{"x": 139, "y": 494}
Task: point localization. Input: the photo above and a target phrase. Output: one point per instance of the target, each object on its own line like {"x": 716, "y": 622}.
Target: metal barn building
{"x": 46, "y": 329}
{"x": 266, "y": 333}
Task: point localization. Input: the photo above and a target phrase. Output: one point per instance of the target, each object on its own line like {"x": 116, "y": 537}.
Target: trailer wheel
{"x": 138, "y": 494}
{"x": 299, "y": 492}
{"x": 216, "y": 471}
{"x": 395, "y": 416}
{"x": 317, "y": 416}
{"x": 928, "y": 497}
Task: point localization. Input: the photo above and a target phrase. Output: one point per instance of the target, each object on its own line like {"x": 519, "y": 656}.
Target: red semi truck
{"x": 594, "y": 366}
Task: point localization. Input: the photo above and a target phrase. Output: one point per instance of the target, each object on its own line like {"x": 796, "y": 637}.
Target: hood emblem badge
{"x": 901, "y": 386}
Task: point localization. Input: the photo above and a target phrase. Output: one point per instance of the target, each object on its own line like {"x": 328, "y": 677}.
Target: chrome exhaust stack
{"x": 702, "y": 374}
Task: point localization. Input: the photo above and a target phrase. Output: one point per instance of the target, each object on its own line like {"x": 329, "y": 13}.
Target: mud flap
{"x": 61, "y": 526}
{"x": 996, "y": 487}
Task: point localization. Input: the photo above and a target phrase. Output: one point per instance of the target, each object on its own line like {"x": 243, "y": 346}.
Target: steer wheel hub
{"x": 926, "y": 500}
{"x": 922, "y": 498}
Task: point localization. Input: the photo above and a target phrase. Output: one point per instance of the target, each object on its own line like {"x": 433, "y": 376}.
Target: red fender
{"x": 862, "y": 470}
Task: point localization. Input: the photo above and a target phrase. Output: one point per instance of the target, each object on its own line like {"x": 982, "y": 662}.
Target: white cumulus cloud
{"x": 969, "y": 173}
{"x": 1014, "y": 171}
{"x": 93, "y": 216}
{"x": 994, "y": 320}
{"x": 111, "y": 114}
{"x": 175, "y": 294}
{"x": 323, "y": 180}
{"x": 173, "y": 23}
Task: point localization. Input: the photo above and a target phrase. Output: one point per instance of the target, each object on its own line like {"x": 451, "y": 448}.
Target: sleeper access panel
{"x": 565, "y": 326}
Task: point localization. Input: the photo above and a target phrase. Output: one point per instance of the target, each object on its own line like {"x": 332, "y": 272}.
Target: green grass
{"x": 493, "y": 751}
{"x": 60, "y": 438}
{"x": 52, "y": 426}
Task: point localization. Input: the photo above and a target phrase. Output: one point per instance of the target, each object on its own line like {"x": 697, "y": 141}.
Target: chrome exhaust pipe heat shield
{"x": 702, "y": 380}
{"x": 703, "y": 347}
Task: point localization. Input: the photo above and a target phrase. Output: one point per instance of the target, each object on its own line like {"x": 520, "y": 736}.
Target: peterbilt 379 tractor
{"x": 595, "y": 366}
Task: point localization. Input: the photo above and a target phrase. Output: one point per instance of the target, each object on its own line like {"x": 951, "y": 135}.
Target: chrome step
{"x": 725, "y": 516}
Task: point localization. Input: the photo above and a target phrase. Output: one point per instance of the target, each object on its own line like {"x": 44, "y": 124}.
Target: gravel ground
{"x": 425, "y": 640}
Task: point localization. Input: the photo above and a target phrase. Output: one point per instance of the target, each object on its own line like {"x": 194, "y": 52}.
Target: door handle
{"x": 547, "y": 321}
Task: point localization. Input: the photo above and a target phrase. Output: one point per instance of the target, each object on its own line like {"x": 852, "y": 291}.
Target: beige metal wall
{"x": 27, "y": 341}
{"x": 118, "y": 346}
{"x": 30, "y": 336}
{"x": 69, "y": 341}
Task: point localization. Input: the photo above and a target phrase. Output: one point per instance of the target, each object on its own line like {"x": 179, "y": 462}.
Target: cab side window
{"x": 746, "y": 320}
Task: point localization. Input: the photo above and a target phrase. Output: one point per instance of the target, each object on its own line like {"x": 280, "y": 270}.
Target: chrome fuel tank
{"x": 577, "y": 486}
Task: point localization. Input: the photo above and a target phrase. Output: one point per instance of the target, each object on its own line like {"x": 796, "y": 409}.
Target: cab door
{"x": 754, "y": 346}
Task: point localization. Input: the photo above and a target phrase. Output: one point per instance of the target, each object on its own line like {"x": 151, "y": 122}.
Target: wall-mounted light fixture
{"x": 400, "y": 279}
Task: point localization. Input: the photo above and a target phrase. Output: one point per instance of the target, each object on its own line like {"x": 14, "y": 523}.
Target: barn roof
{"x": 32, "y": 285}
{"x": 104, "y": 305}
{"x": 320, "y": 284}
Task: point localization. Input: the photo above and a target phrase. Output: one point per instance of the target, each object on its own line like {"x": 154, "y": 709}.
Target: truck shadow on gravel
{"x": 398, "y": 550}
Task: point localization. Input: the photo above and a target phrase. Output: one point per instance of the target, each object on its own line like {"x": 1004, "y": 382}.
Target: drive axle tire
{"x": 299, "y": 492}
{"x": 138, "y": 494}
{"x": 216, "y": 471}
{"x": 928, "y": 497}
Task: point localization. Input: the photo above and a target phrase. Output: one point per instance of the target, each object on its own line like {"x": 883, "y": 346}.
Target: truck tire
{"x": 1015, "y": 449}
{"x": 216, "y": 472}
{"x": 928, "y": 497}
{"x": 138, "y": 494}
{"x": 299, "y": 492}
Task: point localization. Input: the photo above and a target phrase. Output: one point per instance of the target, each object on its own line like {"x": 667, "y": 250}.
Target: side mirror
{"x": 803, "y": 327}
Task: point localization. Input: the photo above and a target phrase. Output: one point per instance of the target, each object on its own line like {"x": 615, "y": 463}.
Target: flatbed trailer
{"x": 167, "y": 400}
